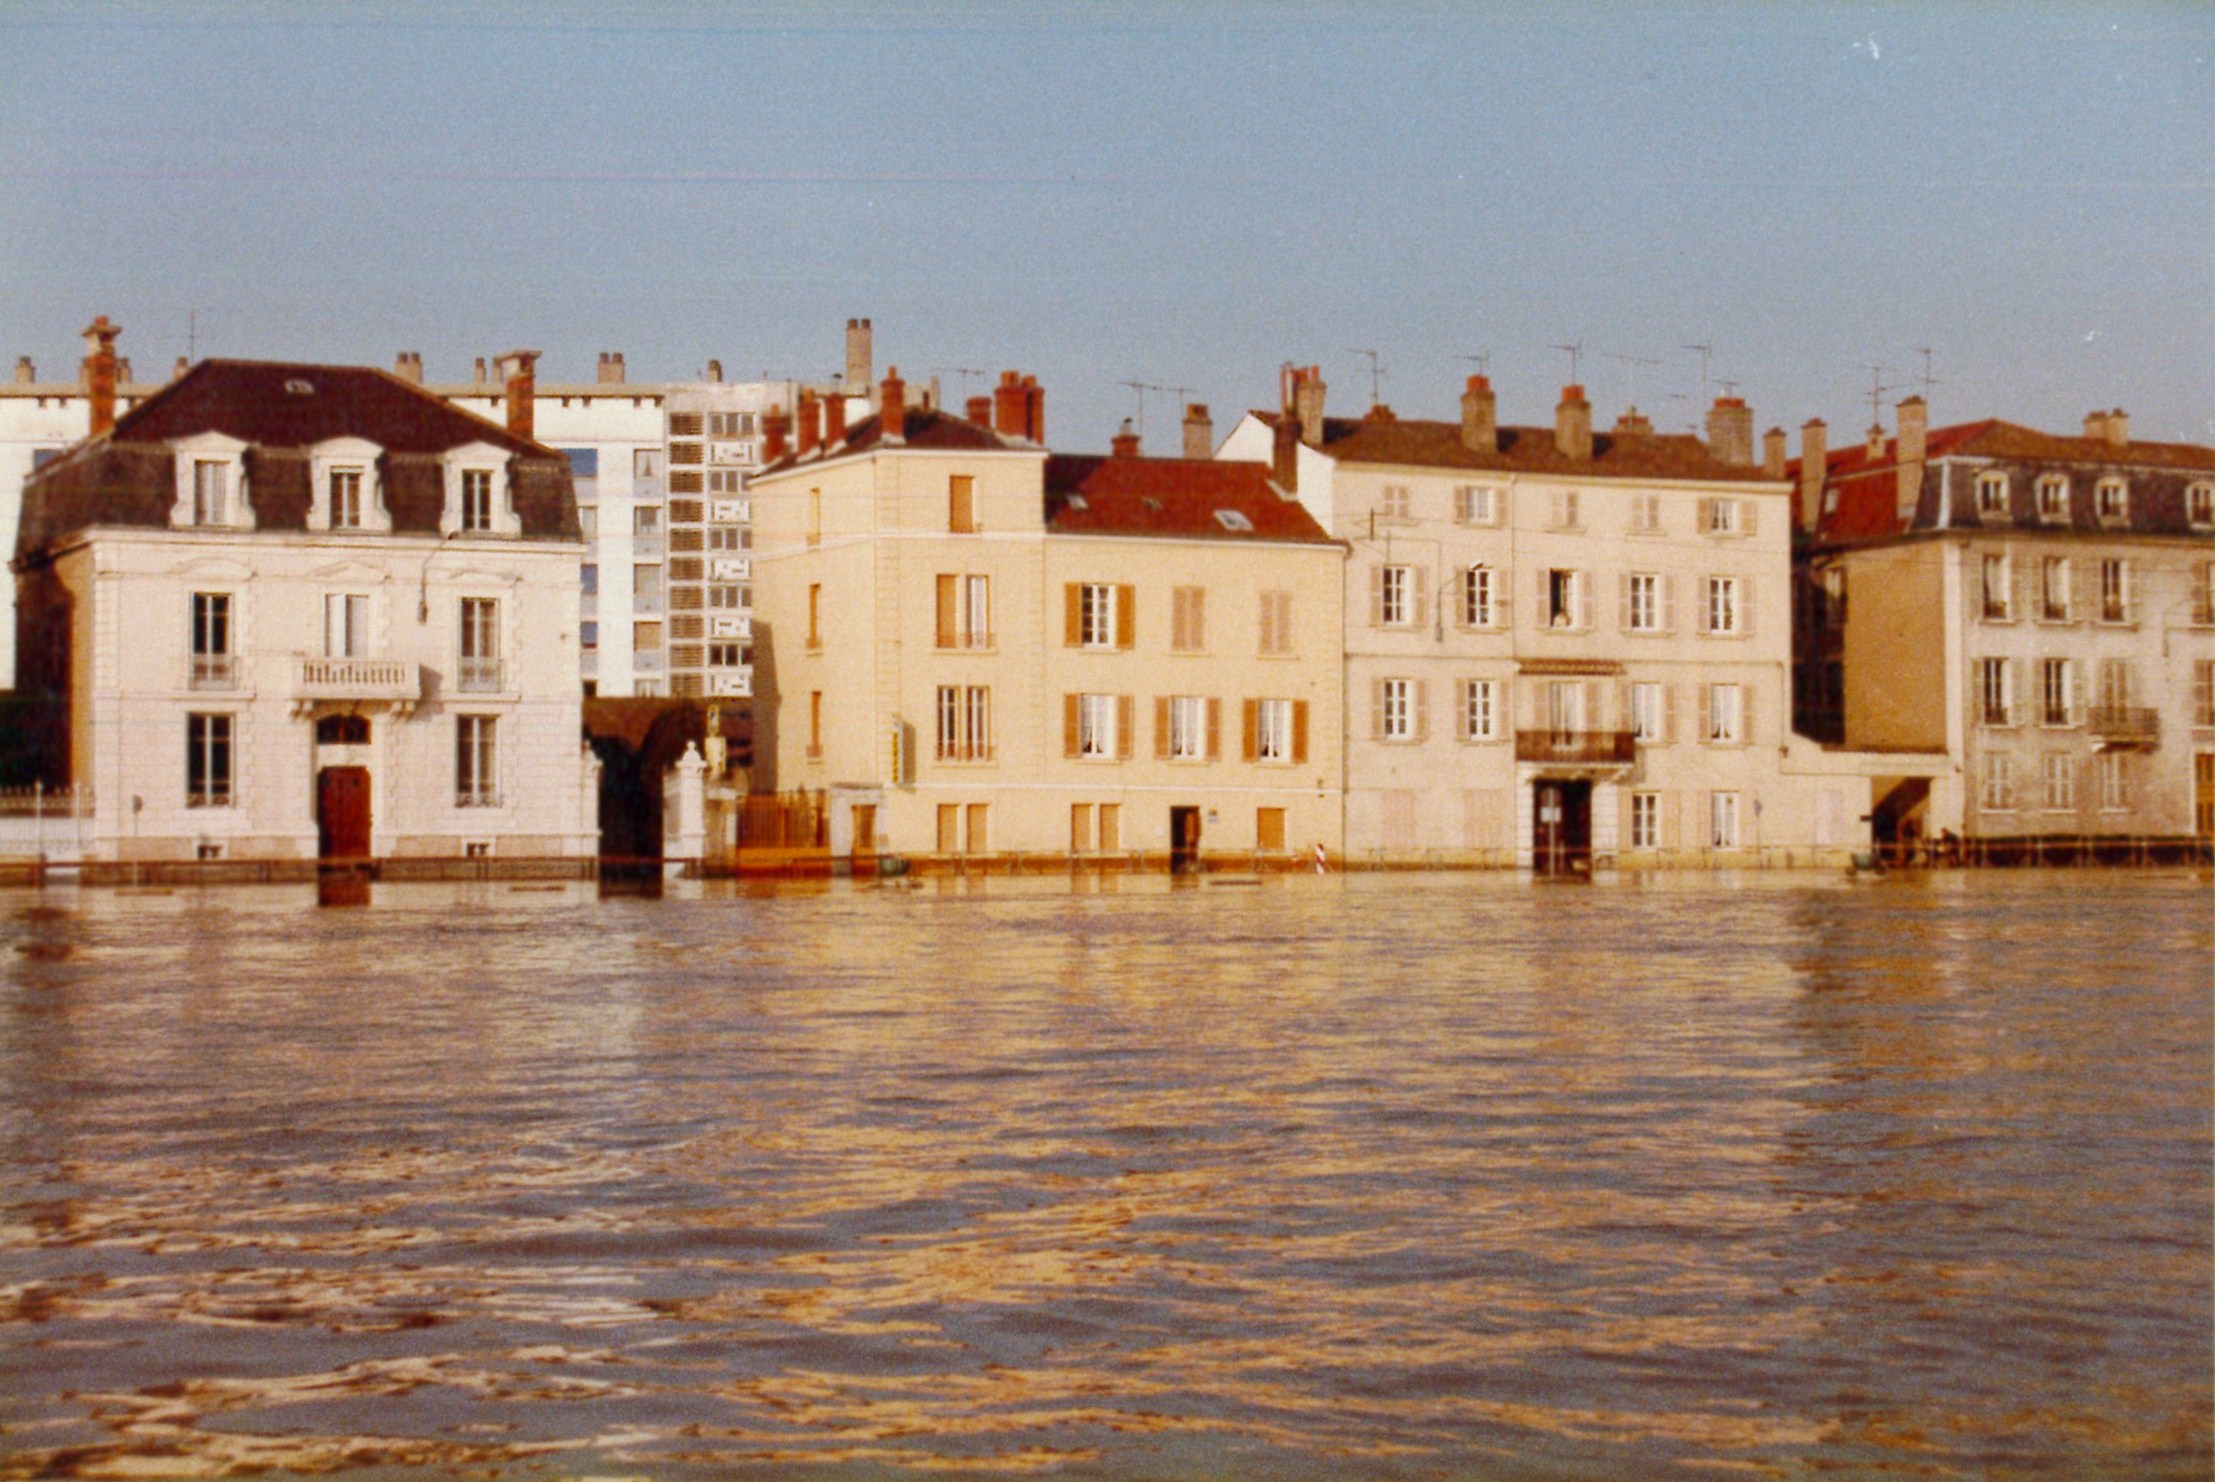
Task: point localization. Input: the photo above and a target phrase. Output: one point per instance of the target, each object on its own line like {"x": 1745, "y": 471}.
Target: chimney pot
{"x": 408, "y": 366}
{"x": 1573, "y": 424}
{"x": 1633, "y": 424}
{"x": 100, "y": 373}
{"x": 1125, "y": 442}
{"x": 1480, "y": 417}
{"x": 518, "y": 373}
{"x": 123, "y": 370}
{"x": 893, "y": 406}
{"x": 1199, "y": 431}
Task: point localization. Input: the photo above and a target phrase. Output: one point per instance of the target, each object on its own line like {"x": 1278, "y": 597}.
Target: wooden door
{"x": 865, "y": 830}
{"x": 1184, "y": 840}
{"x": 342, "y": 812}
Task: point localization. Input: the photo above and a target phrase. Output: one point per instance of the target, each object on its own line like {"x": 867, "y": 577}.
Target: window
{"x": 1398, "y": 710}
{"x": 1725, "y": 613}
{"x": 346, "y": 499}
{"x": 727, "y": 595}
{"x": 1722, "y": 820}
{"x": 213, "y": 665}
{"x": 729, "y": 538}
{"x": 1098, "y": 726}
{"x": 1098, "y": 615}
{"x": 2061, "y": 780}
{"x": 646, "y": 588}
{"x": 588, "y": 521}
{"x": 1564, "y": 509}
{"x": 1642, "y": 602}
{"x": 589, "y": 577}
{"x": 476, "y": 499}
{"x": 2056, "y": 692}
{"x": 1276, "y": 623}
{"x": 1480, "y": 710}
{"x": 964, "y": 723}
{"x": 1476, "y": 504}
{"x": 2111, "y": 498}
{"x": 1188, "y": 619}
{"x": 2203, "y": 595}
{"x": 480, "y": 645}
{"x": 1645, "y": 820}
{"x": 726, "y": 655}
{"x": 1999, "y": 782}
{"x": 1992, "y": 494}
{"x": 588, "y": 635}
{"x": 684, "y": 424}
{"x": 1565, "y": 601}
{"x": 345, "y": 625}
{"x": 2203, "y": 693}
{"x": 645, "y": 638}
{"x": 1191, "y": 728}
{"x": 964, "y": 611}
{"x": 208, "y": 761}
{"x": 1277, "y": 731}
{"x": 2117, "y": 685}
{"x": 1395, "y": 594}
{"x": 1479, "y": 592}
{"x": 2199, "y": 506}
{"x": 2115, "y": 594}
{"x": 1999, "y": 605}
{"x": 2053, "y": 496}
{"x": 2114, "y": 779}
{"x": 961, "y": 504}
{"x": 1649, "y": 718}
{"x": 342, "y": 730}
{"x": 211, "y": 484}
{"x": 2053, "y": 596}
{"x": 1565, "y": 708}
{"x": 815, "y": 725}
{"x": 1393, "y": 503}
{"x": 646, "y": 520}
{"x": 815, "y": 615}
{"x": 1995, "y": 691}
{"x": 1726, "y": 714}
{"x": 1722, "y": 517}
{"x": 1645, "y": 514}
{"x": 476, "y": 761}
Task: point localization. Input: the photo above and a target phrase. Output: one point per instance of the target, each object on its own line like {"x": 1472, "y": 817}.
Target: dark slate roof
{"x": 1093, "y": 495}
{"x": 930, "y": 430}
{"x": 1395, "y": 440}
{"x": 128, "y": 475}
{"x": 1867, "y": 485}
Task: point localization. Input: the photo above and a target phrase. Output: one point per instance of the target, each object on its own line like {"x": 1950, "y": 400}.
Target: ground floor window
{"x": 2061, "y": 785}
{"x": 1999, "y": 782}
{"x": 1269, "y": 830}
{"x": 2114, "y": 779}
{"x": 208, "y": 775}
{"x": 1722, "y": 820}
{"x": 476, "y": 761}
{"x": 1645, "y": 820}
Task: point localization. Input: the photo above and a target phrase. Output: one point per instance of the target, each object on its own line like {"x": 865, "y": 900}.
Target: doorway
{"x": 342, "y": 812}
{"x": 865, "y": 835}
{"x": 1561, "y": 826}
{"x": 1184, "y": 840}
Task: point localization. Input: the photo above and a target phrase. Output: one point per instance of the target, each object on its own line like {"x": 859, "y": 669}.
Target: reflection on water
{"x": 1395, "y": 1176}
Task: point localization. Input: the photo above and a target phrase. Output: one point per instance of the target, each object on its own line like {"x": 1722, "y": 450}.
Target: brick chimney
{"x": 1814, "y": 465}
{"x": 1034, "y": 410}
{"x": 809, "y": 425}
{"x": 892, "y": 403}
{"x": 1876, "y": 441}
{"x": 773, "y": 425}
{"x": 26, "y": 374}
{"x": 1125, "y": 442}
{"x": 611, "y": 372}
{"x": 715, "y": 372}
{"x": 1480, "y": 417}
{"x": 1009, "y": 413}
{"x": 980, "y": 411}
{"x": 1308, "y": 388}
{"x": 859, "y": 358}
{"x": 179, "y": 368}
{"x": 1573, "y": 424}
{"x": 100, "y": 373}
{"x": 2118, "y": 428}
{"x": 1199, "y": 431}
{"x": 1730, "y": 432}
{"x": 1772, "y": 453}
{"x": 1914, "y": 421}
{"x": 1632, "y": 425}
{"x": 408, "y": 366}
{"x": 1284, "y": 453}
{"x": 519, "y": 374}
{"x": 834, "y": 419}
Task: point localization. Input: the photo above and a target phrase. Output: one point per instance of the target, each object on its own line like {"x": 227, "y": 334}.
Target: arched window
{"x": 342, "y": 730}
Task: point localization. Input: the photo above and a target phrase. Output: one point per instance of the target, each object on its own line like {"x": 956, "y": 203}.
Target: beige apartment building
{"x": 1565, "y": 649}
{"x": 973, "y": 647}
{"x": 2041, "y": 608}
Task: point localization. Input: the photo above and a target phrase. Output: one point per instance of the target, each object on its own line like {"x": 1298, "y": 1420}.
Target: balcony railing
{"x": 2124, "y": 725}
{"x": 648, "y": 546}
{"x": 214, "y": 672}
{"x": 480, "y": 676}
{"x": 394, "y": 681}
{"x": 731, "y": 568}
{"x": 1606, "y": 748}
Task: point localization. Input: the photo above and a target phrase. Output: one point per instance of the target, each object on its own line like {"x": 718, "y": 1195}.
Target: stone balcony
{"x": 356, "y": 681}
{"x": 2124, "y": 727}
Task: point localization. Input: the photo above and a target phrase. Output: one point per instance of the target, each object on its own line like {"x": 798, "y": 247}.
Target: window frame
{"x": 476, "y": 760}
{"x": 211, "y": 759}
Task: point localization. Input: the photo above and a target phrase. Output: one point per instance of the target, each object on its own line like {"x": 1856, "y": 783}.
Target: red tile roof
{"x": 930, "y": 430}
{"x": 1087, "y": 494}
{"x": 1675, "y": 456}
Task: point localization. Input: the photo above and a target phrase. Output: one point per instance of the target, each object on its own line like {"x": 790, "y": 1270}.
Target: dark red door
{"x": 342, "y": 812}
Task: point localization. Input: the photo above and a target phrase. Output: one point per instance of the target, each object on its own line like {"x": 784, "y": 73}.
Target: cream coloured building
{"x": 1564, "y": 648}
{"x": 974, "y": 647}
{"x": 277, "y": 612}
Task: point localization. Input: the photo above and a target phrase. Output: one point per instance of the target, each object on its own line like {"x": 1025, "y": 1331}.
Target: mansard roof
{"x": 1675, "y": 457}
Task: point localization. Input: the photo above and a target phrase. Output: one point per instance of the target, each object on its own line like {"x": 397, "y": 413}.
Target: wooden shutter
{"x": 1161, "y": 727}
{"x": 1541, "y": 617}
{"x": 1706, "y": 718}
{"x": 1668, "y": 602}
{"x": 1123, "y": 726}
{"x": 1196, "y": 619}
{"x": 1069, "y": 726}
{"x": 1214, "y": 729}
{"x": 1126, "y": 616}
{"x": 2076, "y": 692}
{"x": 1250, "y": 717}
{"x": 1748, "y": 509}
{"x": 1376, "y": 596}
{"x": 1462, "y": 687}
{"x": 1177, "y": 597}
{"x": 1622, "y": 593}
{"x": 1422, "y": 689}
{"x": 1299, "y": 730}
{"x": 1376, "y": 709}
{"x": 1584, "y": 601}
{"x": 1706, "y": 515}
{"x": 1668, "y": 714}
{"x": 1588, "y": 707}
{"x": 1745, "y": 719}
{"x": 948, "y": 587}
{"x": 1422, "y": 595}
{"x": 1704, "y": 602}
{"x": 1746, "y": 604}
{"x": 1072, "y": 614}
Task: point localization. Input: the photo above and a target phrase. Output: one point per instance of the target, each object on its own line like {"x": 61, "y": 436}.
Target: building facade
{"x": 975, "y": 648}
{"x": 2039, "y": 607}
{"x": 1564, "y": 648}
{"x": 283, "y": 612}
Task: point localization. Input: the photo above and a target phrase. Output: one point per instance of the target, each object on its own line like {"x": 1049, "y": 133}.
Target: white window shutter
{"x": 1746, "y": 714}
{"x": 1748, "y": 509}
{"x": 1669, "y": 603}
{"x": 1422, "y": 595}
{"x": 1622, "y": 593}
{"x": 1668, "y": 714}
{"x": 1422, "y": 689}
{"x": 1584, "y": 601}
{"x": 1706, "y": 515}
{"x": 1746, "y": 605}
{"x": 2076, "y": 694}
{"x": 1704, "y": 601}
{"x": 1376, "y": 596}
{"x": 1462, "y": 691}
{"x": 1376, "y": 709}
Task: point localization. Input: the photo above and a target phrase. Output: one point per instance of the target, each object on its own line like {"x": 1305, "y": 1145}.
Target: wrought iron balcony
{"x": 480, "y": 676}
{"x": 213, "y": 672}
{"x": 1589, "y": 748}
{"x": 395, "y": 682}
{"x": 2117, "y": 726}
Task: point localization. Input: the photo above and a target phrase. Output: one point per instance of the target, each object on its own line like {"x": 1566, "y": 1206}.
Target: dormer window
{"x": 2112, "y": 500}
{"x": 1991, "y": 494}
{"x": 211, "y": 484}
{"x": 479, "y": 500}
{"x": 2053, "y": 497}
{"x": 476, "y": 499}
{"x": 2199, "y": 505}
{"x": 346, "y": 489}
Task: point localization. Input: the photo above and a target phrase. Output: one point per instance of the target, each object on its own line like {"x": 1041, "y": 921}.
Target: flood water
{"x": 1389, "y": 1176}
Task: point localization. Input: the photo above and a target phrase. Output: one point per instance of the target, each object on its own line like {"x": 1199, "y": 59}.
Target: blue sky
{"x": 1185, "y": 195}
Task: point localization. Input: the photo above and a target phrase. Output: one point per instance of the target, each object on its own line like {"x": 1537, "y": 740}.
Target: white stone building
{"x": 286, "y": 611}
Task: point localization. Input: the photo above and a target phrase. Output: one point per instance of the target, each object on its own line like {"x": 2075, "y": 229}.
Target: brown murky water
{"x": 1382, "y": 1177}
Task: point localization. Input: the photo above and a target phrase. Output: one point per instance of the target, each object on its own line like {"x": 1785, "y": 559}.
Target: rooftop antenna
{"x": 963, "y": 371}
{"x": 1631, "y": 364}
{"x": 1691, "y": 422}
{"x": 1573, "y": 352}
{"x": 1376, "y": 375}
{"x": 1730, "y": 388}
{"x": 1704, "y": 352}
{"x": 192, "y": 334}
{"x": 1927, "y": 378}
{"x": 1483, "y": 363}
{"x": 1142, "y": 387}
{"x": 1877, "y": 392}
